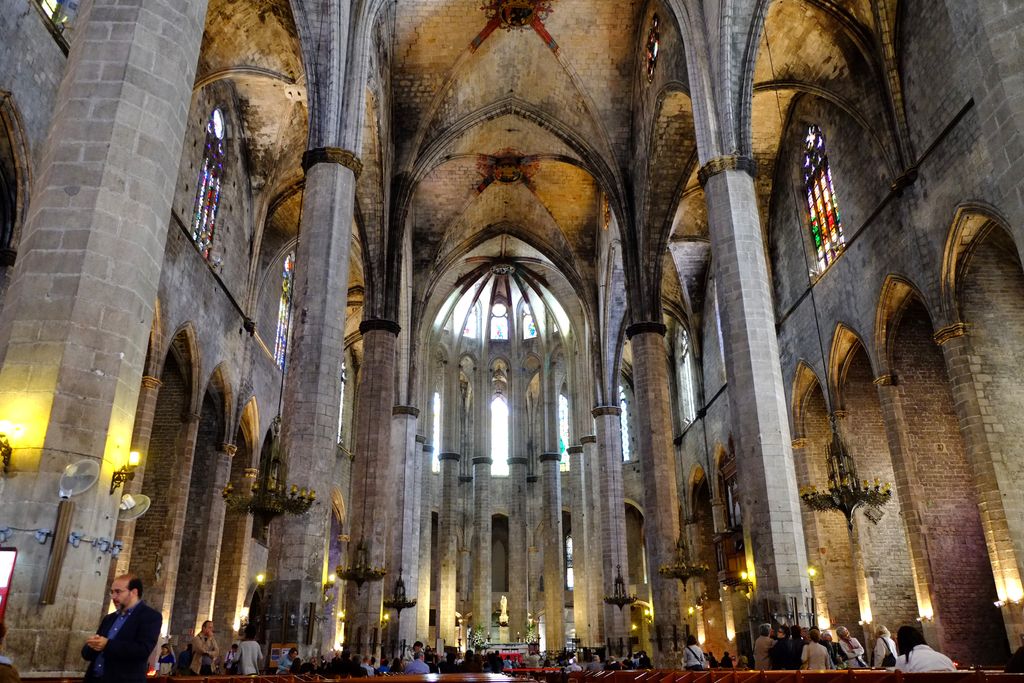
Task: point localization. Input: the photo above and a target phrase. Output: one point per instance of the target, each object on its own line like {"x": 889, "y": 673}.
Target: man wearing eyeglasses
{"x": 125, "y": 639}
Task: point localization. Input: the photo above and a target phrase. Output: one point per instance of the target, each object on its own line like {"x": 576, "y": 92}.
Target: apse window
{"x": 469, "y": 331}
{"x": 529, "y": 327}
{"x": 822, "y": 206}
{"x": 499, "y": 322}
{"x": 653, "y": 47}
{"x": 687, "y": 402}
{"x": 208, "y": 186}
{"x": 499, "y": 436}
{"x": 563, "y": 432}
{"x": 570, "y": 579}
{"x": 284, "y": 310}
{"x": 624, "y": 424}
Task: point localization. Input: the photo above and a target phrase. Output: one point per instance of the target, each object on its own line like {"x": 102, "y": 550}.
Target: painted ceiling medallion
{"x": 517, "y": 13}
{"x": 507, "y": 166}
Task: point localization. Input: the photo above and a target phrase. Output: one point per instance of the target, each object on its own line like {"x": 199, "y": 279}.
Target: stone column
{"x": 613, "y": 522}
{"x": 657, "y": 461}
{"x": 312, "y": 388}
{"x": 403, "y": 538}
{"x": 373, "y": 486}
{"x": 79, "y": 307}
{"x": 425, "y": 560}
{"x": 233, "y": 578}
{"x": 447, "y": 547}
{"x": 141, "y": 433}
{"x": 554, "y": 570}
{"x": 995, "y": 485}
{"x": 518, "y": 548}
{"x": 578, "y": 511}
{"x": 212, "y": 535}
{"x": 594, "y": 504}
{"x": 812, "y": 536}
{"x": 907, "y": 487}
{"x": 482, "y": 603}
{"x": 757, "y": 395}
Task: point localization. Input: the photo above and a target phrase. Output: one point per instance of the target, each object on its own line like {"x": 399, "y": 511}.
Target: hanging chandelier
{"x": 398, "y": 600}
{"x": 269, "y": 501}
{"x": 682, "y": 568}
{"x": 619, "y": 597}
{"x": 846, "y": 493}
{"x": 360, "y": 570}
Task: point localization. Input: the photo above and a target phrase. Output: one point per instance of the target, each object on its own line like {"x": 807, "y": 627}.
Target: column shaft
{"x": 482, "y": 603}
{"x": 757, "y": 395}
{"x": 372, "y": 482}
{"x": 142, "y": 431}
{"x": 613, "y": 521}
{"x": 426, "y": 560}
{"x": 594, "y": 560}
{"x": 518, "y": 549}
{"x": 554, "y": 569}
{"x": 447, "y": 547}
{"x": 580, "y": 604}
{"x": 79, "y": 308}
{"x": 403, "y": 539}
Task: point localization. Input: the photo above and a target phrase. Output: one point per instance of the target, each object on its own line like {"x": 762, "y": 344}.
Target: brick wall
{"x": 963, "y": 587}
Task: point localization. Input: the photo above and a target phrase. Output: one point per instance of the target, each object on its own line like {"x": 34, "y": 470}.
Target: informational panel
{"x": 7, "y": 558}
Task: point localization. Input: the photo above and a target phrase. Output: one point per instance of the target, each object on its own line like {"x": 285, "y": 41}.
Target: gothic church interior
{"x": 586, "y": 323}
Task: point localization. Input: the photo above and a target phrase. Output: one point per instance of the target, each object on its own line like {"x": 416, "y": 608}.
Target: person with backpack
{"x": 884, "y": 654}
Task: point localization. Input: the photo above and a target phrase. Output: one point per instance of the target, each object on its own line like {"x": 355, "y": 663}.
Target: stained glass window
{"x": 624, "y": 424}
{"x": 204, "y": 218}
{"x": 341, "y": 402}
{"x": 469, "y": 331}
{"x": 569, "y": 578}
{"x": 435, "y": 462}
{"x": 499, "y": 322}
{"x": 563, "y": 431}
{"x": 826, "y": 228}
{"x": 529, "y": 327}
{"x": 499, "y": 436}
{"x": 653, "y": 47}
{"x": 687, "y": 403}
{"x": 284, "y": 310}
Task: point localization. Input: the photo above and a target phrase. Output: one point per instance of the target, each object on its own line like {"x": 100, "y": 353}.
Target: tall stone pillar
{"x": 914, "y": 521}
{"x": 661, "y": 499}
{"x": 613, "y": 522}
{"x": 581, "y": 607}
{"x": 447, "y": 547}
{"x": 518, "y": 549}
{"x": 142, "y": 431}
{"x": 79, "y": 308}
{"x": 312, "y": 389}
{"x": 594, "y": 560}
{"x": 554, "y": 570}
{"x": 757, "y": 395}
{"x": 373, "y": 505}
{"x": 403, "y": 538}
{"x": 425, "y": 559}
{"x": 994, "y": 484}
{"x": 482, "y": 603}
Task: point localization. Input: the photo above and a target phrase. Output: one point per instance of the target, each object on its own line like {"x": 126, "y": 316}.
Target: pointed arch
{"x": 185, "y": 347}
{"x": 845, "y": 343}
{"x": 972, "y": 223}
{"x": 804, "y": 381}
{"x": 896, "y": 294}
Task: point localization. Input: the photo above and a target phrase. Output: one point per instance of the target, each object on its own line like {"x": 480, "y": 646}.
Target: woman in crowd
{"x": 916, "y": 656}
{"x": 884, "y": 655}
{"x": 693, "y": 656}
{"x": 853, "y": 651}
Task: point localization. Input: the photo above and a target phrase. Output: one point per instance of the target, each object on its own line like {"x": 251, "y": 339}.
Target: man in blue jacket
{"x": 125, "y": 639}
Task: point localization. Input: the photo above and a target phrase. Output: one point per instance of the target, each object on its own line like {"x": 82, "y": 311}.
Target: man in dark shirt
{"x": 125, "y": 639}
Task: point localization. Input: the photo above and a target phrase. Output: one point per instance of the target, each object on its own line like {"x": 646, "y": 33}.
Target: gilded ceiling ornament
{"x": 507, "y": 166}
{"x": 517, "y": 14}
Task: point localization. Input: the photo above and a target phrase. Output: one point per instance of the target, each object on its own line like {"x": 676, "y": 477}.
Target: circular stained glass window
{"x": 499, "y": 310}
{"x": 217, "y": 123}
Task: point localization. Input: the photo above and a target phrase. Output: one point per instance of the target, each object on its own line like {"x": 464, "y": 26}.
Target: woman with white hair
{"x": 853, "y": 651}
{"x": 884, "y": 654}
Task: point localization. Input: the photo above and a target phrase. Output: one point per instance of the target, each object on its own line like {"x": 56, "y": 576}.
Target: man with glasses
{"x": 125, "y": 639}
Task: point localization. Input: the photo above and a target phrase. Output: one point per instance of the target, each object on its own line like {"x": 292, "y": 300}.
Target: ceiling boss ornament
{"x": 506, "y": 167}
{"x": 517, "y": 14}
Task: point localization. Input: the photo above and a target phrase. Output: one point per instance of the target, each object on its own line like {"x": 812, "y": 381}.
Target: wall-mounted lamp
{"x": 812, "y": 572}
{"x": 329, "y": 585}
{"x": 127, "y": 472}
{"x": 261, "y": 579}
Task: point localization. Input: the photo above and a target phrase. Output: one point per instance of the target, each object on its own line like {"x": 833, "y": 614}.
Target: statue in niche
{"x": 503, "y": 616}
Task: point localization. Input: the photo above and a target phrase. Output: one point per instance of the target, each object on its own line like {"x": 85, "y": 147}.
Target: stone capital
{"x": 601, "y": 411}
{"x": 589, "y": 438}
{"x": 482, "y": 460}
{"x": 727, "y": 162}
{"x": 332, "y": 155}
{"x": 550, "y": 457}
{"x": 885, "y": 380}
{"x": 518, "y": 460}
{"x": 465, "y": 479}
{"x": 840, "y": 414}
{"x": 454, "y": 457}
{"x": 799, "y": 443}
{"x": 420, "y": 439}
{"x": 406, "y": 410}
{"x": 428, "y": 448}
{"x": 950, "y": 332}
{"x": 532, "y": 478}
{"x": 229, "y": 448}
{"x": 649, "y": 327}
{"x": 149, "y": 382}
{"x": 571, "y": 450}
{"x": 373, "y": 324}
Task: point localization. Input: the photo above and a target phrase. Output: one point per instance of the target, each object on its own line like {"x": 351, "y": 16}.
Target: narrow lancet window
{"x": 499, "y": 436}
{"x": 826, "y": 228}
{"x": 624, "y": 424}
{"x": 204, "y": 219}
{"x": 284, "y": 310}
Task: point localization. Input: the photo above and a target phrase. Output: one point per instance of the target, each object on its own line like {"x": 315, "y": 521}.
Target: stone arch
{"x": 973, "y": 223}
{"x": 845, "y": 344}
{"x": 693, "y": 480}
{"x": 185, "y": 348}
{"x": 15, "y": 178}
{"x": 636, "y": 545}
{"x": 804, "y": 381}
{"x": 219, "y": 383}
{"x": 896, "y": 294}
